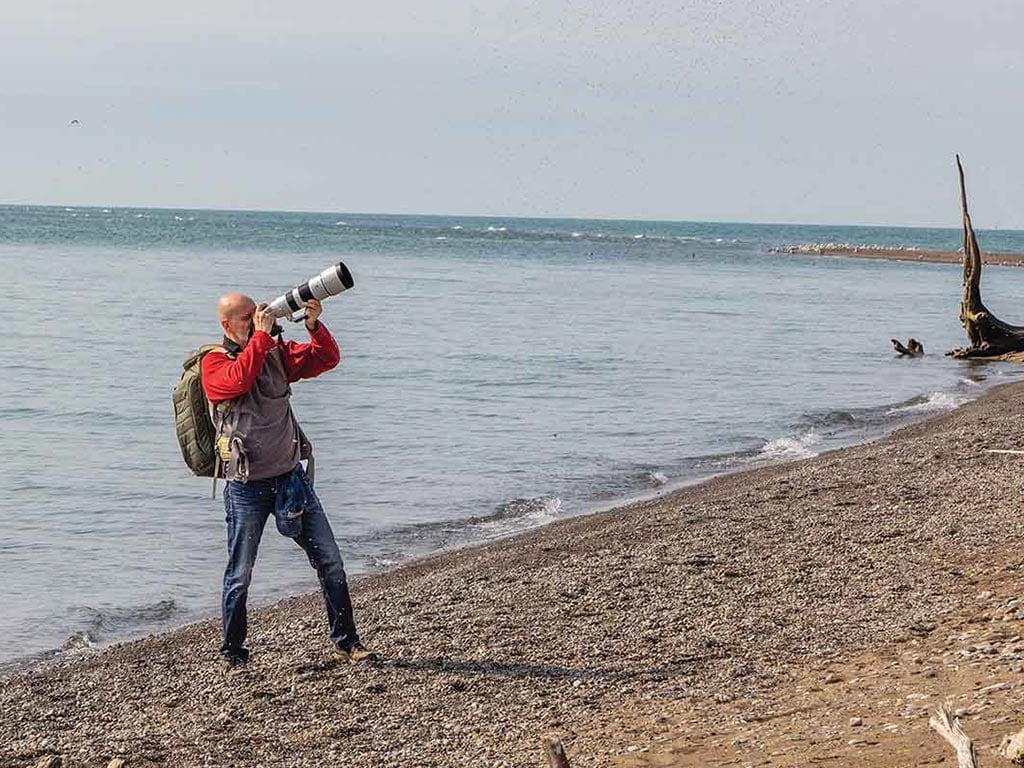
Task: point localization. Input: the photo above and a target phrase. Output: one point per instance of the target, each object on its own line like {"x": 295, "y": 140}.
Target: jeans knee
{"x": 237, "y": 584}
{"x": 331, "y": 569}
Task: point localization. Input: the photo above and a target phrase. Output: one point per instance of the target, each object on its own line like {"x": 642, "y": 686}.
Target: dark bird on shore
{"x": 914, "y": 348}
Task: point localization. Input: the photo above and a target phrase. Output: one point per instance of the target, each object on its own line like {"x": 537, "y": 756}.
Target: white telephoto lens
{"x": 330, "y": 282}
{"x": 279, "y": 306}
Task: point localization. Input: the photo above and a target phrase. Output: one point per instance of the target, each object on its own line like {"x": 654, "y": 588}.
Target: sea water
{"x": 497, "y": 374}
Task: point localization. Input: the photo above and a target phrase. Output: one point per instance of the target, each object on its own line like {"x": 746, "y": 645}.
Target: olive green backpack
{"x": 192, "y": 422}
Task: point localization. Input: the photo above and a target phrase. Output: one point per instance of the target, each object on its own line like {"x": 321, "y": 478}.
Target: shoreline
{"x": 79, "y": 643}
{"x": 896, "y": 253}
{"x": 640, "y": 609}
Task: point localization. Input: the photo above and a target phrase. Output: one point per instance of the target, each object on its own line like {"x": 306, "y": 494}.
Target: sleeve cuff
{"x": 262, "y": 341}
{"x": 320, "y": 330}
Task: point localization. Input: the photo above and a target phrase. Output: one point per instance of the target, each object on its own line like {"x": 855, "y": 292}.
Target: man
{"x": 259, "y": 444}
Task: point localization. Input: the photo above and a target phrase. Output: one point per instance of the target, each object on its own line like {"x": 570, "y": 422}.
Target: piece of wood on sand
{"x": 947, "y": 725}
{"x": 555, "y": 752}
{"x": 989, "y": 336}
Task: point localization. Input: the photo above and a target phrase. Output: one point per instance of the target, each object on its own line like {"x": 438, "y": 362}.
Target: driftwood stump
{"x": 988, "y": 335}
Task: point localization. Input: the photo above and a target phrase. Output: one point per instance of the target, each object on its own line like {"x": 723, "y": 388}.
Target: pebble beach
{"x": 756, "y": 619}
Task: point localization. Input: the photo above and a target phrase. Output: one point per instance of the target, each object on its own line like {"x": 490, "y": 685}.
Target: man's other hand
{"x": 313, "y": 311}
{"x": 262, "y": 320}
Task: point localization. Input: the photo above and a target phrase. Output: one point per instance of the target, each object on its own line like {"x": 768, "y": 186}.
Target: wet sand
{"x": 898, "y": 254}
{"x": 744, "y": 621}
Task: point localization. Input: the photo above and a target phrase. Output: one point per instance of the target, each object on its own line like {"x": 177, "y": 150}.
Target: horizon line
{"x": 325, "y": 212}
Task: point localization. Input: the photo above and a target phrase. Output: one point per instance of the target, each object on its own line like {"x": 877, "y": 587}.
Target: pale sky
{"x": 847, "y": 111}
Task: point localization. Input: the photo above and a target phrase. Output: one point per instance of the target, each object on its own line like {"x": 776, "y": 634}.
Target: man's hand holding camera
{"x": 262, "y": 320}
{"x": 313, "y": 310}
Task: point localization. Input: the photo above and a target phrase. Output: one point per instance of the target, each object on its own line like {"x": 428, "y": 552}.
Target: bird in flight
{"x": 74, "y": 122}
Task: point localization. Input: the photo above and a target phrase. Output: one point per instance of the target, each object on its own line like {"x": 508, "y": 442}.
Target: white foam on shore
{"x": 936, "y": 401}
{"x": 541, "y": 511}
{"x": 519, "y": 514}
{"x": 791, "y": 447}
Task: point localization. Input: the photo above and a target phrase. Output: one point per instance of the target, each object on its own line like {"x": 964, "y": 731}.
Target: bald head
{"x": 234, "y": 304}
{"x": 235, "y": 313}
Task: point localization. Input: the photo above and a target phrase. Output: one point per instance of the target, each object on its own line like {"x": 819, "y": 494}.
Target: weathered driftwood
{"x": 117, "y": 762}
{"x": 948, "y": 727}
{"x": 914, "y": 348}
{"x": 555, "y": 752}
{"x": 988, "y": 335}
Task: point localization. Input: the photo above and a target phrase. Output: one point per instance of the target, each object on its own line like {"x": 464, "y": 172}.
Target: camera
{"x": 330, "y": 282}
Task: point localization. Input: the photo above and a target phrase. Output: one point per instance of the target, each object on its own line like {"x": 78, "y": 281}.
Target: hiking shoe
{"x": 354, "y": 654}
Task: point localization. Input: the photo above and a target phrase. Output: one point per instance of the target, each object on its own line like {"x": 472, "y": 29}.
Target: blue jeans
{"x": 247, "y": 507}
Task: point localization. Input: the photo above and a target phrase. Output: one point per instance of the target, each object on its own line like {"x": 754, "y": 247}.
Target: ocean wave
{"x": 539, "y": 509}
{"x": 95, "y": 624}
{"x": 830, "y": 419}
{"x": 580, "y": 235}
{"x": 801, "y": 447}
{"x": 78, "y": 641}
{"x": 936, "y": 401}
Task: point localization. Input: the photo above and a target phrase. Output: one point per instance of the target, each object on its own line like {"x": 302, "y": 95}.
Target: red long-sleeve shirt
{"x": 226, "y": 379}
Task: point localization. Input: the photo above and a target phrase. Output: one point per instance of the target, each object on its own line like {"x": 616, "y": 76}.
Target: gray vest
{"x": 257, "y": 434}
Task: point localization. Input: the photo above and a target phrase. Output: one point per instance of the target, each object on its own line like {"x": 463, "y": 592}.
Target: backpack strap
{"x": 217, "y": 468}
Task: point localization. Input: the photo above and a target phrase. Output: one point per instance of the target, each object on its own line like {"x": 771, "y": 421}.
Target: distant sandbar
{"x": 898, "y": 253}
